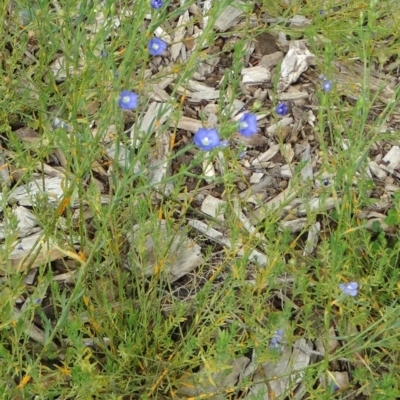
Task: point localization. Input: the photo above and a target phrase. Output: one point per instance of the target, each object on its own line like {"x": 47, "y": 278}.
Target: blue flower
{"x": 349, "y": 288}
{"x": 281, "y": 109}
{"x": 103, "y": 53}
{"x": 276, "y": 339}
{"x": 156, "y": 46}
{"x": 128, "y": 100}
{"x": 156, "y": 4}
{"x": 206, "y": 139}
{"x": 327, "y": 85}
{"x": 247, "y": 125}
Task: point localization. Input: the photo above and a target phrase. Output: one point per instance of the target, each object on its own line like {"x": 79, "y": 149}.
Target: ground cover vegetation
{"x": 200, "y": 199}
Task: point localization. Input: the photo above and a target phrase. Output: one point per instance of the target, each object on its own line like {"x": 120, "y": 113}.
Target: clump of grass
{"x": 112, "y": 332}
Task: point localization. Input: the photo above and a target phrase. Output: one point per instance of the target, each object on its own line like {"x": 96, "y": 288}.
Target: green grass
{"x": 151, "y": 337}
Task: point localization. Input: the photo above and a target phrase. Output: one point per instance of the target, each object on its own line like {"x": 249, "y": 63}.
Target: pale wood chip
{"x": 210, "y": 94}
{"x": 286, "y": 171}
{"x": 188, "y": 124}
{"x": 255, "y": 75}
{"x": 299, "y": 21}
{"x": 291, "y": 96}
{"x": 4, "y": 171}
{"x": 391, "y": 161}
{"x": 26, "y": 225}
{"x": 312, "y": 239}
{"x": 296, "y": 61}
{"x": 307, "y": 171}
{"x": 158, "y": 164}
{"x": 270, "y": 60}
{"x": 214, "y": 207}
{"x": 26, "y": 194}
{"x": 256, "y": 177}
{"x": 338, "y": 379}
{"x": 295, "y": 225}
{"x": 179, "y": 35}
{"x": 230, "y": 16}
{"x": 377, "y": 171}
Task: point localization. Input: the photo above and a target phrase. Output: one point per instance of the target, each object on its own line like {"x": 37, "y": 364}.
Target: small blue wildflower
{"x": 349, "y": 288}
{"x": 276, "y": 339}
{"x": 327, "y": 85}
{"x": 281, "y": 109}
{"x": 128, "y": 100}
{"x": 247, "y": 125}
{"x": 37, "y": 301}
{"x": 156, "y": 4}
{"x": 224, "y": 143}
{"x": 206, "y": 139}
{"x": 156, "y": 46}
{"x": 103, "y": 53}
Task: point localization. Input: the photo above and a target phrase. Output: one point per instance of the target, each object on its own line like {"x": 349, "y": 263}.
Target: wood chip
{"x": 230, "y": 16}
{"x": 256, "y": 75}
{"x": 296, "y": 61}
{"x": 213, "y": 207}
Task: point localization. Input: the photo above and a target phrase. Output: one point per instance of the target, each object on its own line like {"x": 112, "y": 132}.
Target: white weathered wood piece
{"x": 187, "y": 124}
{"x": 256, "y": 177}
{"x": 26, "y": 194}
{"x": 377, "y": 171}
{"x": 180, "y": 31}
{"x": 214, "y": 207}
{"x": 230, "y": 16}
{"x": 294, "y": 225}
{"x": 210, "y": 94}
{"x": 296, "y": 61}
{"x": 285, "y": 171}
{"x": 255, "y": 75}
{"x": 26, "y": 223}
{"x": 312, "y": 239}
{"x": 158, "y": 164}
{"x": 391, "y": 161}
{"x": 307, "y": 171}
